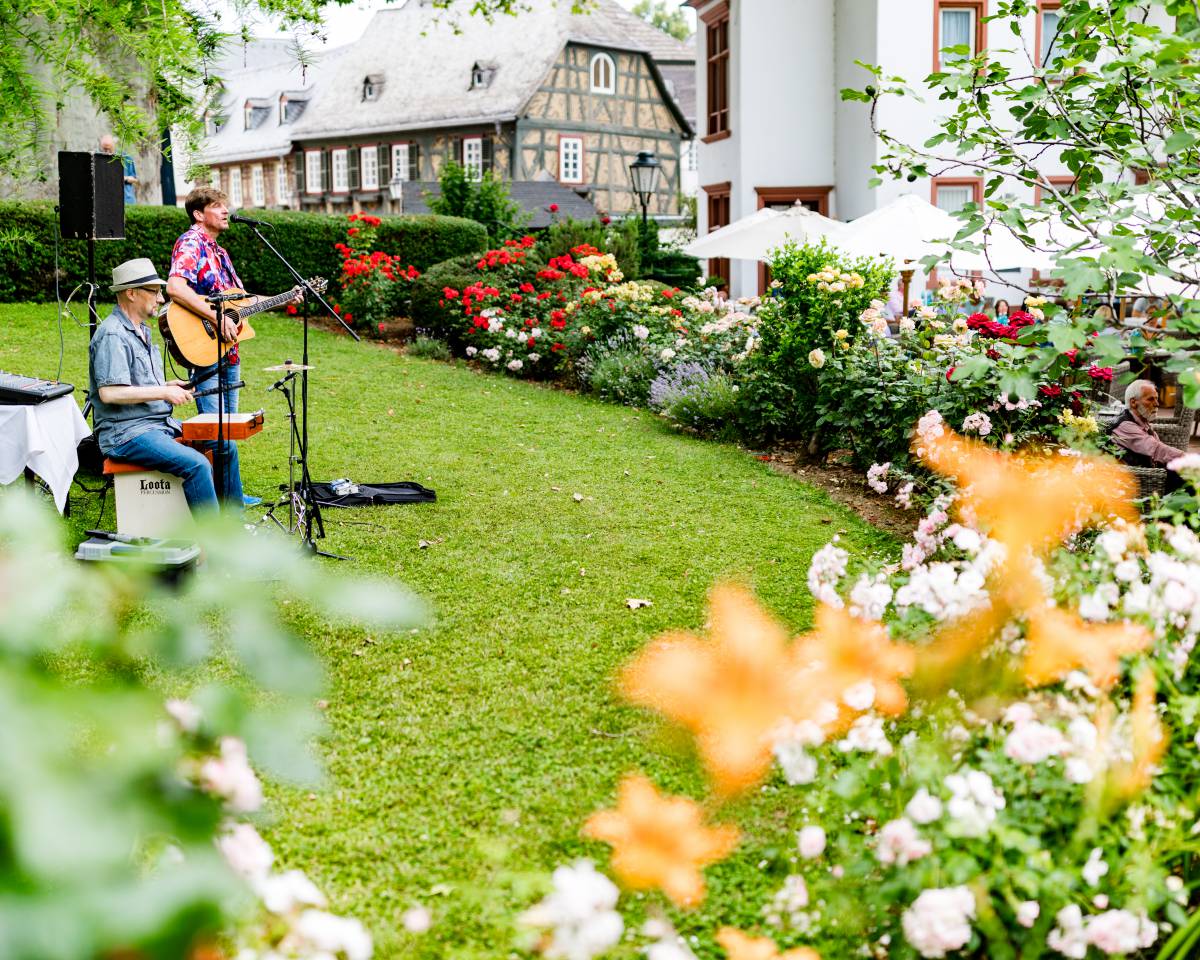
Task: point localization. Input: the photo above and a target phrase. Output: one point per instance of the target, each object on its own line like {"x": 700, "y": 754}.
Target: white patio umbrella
{"x": 907, "y": 228}
{"x": 754, "y": 237}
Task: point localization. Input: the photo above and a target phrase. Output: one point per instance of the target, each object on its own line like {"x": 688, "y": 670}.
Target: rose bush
{"x": 374, "y": 285}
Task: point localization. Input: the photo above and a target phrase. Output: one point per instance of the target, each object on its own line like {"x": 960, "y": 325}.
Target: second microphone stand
{"x": 311, "y": 509}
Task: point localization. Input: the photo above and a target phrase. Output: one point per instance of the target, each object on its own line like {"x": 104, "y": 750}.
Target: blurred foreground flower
{"x": 741, "y": 946}
{"x": 660, "y": 841}
{"x": 734, "y": 690}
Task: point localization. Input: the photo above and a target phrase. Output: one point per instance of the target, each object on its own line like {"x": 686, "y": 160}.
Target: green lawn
{"x": 467, "y": 753}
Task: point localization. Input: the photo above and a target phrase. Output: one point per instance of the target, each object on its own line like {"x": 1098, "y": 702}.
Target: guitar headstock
{"x": 318, "y": 284}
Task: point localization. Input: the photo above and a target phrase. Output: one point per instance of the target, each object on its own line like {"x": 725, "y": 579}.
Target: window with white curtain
{"x": 369, "y": 167}
{"x": 1050, "y": 23}
{"x": 953, "y": 197}
{"x": 400, "y": 161}
{"x": 341, "y": 170}
{"x": 957, "y": 29}
{"x": 473, "y": 157}
{"x": 235, "y": 186}
{"x": 570, "y": 159}
{"x": 312, "y": 171}
{"x": 258, "y": 186}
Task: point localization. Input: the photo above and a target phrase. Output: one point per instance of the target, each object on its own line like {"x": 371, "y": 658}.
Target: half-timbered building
{"x": 545, "y": 95}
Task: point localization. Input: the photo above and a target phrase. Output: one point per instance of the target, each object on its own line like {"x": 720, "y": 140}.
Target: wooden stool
{"x": 150, "y": 503}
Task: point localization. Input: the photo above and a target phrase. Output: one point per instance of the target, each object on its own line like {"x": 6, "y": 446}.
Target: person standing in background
{"x": 108, "y": 145}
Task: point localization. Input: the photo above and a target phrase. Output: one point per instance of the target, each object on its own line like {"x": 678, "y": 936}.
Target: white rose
{"x": 811, "y": 841}
{"x": 817, "y": 358}
{"x": 667, "y": 353}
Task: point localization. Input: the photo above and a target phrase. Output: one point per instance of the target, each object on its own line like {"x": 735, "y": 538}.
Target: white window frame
{"x": 972, "y": 33}
{"x": 282, "y": 193}
{"x": 235, "y": 187}
{"x": 258, "y": 186}
{"x": 371, "y": 153}
{"x": 400, "y": 157}
{"x": 312, "y": 172}
{"x": 472, "y": 153}
{"x": 570, "y": 159}
{"x": 603, "y": 60}
{"x": 247, "y": 115}
{"x": 970, "y": 191}
{"x": 339, "y": 172}
{"x": 1045, "y": 54}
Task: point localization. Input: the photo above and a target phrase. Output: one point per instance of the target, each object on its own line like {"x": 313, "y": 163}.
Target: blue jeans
{"x": 206, "y": 379}
{"x": 157, "y": 450}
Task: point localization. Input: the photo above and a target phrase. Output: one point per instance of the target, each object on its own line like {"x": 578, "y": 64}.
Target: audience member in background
{"x": 1138, "y": 313}
{"x": 1134, "y": 432}
{"x": 1001, "y": 309}
{"x": 108, "y": 145}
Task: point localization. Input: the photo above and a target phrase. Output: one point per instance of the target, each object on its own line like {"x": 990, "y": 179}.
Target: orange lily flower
{"x": 660, "y": 841}
{"x": 1058, "y": 642}
{"x": 741, "y": 946}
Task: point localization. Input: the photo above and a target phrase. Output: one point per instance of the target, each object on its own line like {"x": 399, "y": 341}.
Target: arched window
{"x": 604, "y": 74}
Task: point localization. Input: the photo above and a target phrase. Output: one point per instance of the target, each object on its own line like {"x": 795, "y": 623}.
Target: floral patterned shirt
{"x": 206, "y": 267}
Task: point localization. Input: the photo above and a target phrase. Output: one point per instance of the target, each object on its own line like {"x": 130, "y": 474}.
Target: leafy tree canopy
{"x": 667, "y": 17}
{"x": 1113, "y": 96}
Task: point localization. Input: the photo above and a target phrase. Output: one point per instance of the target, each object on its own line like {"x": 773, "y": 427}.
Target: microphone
{"x": 238, "y": 218}
{"x": 279, "y": 383}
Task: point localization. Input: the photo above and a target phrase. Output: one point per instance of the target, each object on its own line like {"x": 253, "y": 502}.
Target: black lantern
{"x": 643, "y": 173}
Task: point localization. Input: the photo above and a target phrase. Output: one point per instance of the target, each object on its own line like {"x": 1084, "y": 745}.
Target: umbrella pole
{"x": 906, "y": 276}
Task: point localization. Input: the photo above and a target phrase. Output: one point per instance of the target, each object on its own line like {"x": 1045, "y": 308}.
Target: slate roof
{"x": 534, "y": 197}
{"x": 427, "y": 65}
{"x": 275, "y": 71}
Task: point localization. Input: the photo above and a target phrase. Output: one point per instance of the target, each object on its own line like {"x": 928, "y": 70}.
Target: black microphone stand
{"x": 312, "y": 513}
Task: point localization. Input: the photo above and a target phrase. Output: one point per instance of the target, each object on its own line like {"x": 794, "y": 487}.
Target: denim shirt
{"x": 120, "y": 357}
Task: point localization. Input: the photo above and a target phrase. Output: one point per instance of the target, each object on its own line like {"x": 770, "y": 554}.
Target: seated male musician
{"x": 133, "y": 402}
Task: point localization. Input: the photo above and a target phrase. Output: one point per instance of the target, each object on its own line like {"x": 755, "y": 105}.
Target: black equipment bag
{"x": 374, "y": 494}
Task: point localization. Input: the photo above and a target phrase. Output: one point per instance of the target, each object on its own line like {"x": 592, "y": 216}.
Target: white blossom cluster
{"x": 979, "y": 423}
{"x": 825, "y": 572}
{"x": 974, "y": 803}
{"x": 1114, "y": 932}
{"x": 877, "y": 477}
{"x": 939, "y": 921}
{"x": 580, "y": 913}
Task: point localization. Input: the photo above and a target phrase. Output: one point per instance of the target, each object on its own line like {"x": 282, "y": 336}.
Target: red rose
{"x": 554, "y": 208}
{"x": 531, "y": 342}
{"x": 1100, "y": 373}
{"x": 1072, "y": 356}
{"x": 381, "y": 326}
{"x": 1050, "y": 390}
{"x": 950, "y": 372}
{"x": 606, "y": 220}
{"x": 291, "y": 309}
{"x": 992, "y": 354}
{"x": 977, "y": 320}
{"x": 1020, "y": 318}
{"x": 348, "y": 317}
{"x": 557, "y": 346}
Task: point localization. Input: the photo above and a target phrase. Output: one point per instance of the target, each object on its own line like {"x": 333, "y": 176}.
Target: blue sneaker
{"x": 251, "y": 501}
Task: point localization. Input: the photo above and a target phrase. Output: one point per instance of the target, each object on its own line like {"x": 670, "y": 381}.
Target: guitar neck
{"x": 269, "y": 304}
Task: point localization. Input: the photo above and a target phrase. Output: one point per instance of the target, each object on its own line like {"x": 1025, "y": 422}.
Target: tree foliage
{"x": 1115, "y": 101}
{"x": 667, "y": 17}
{"x": 485, "y": 200}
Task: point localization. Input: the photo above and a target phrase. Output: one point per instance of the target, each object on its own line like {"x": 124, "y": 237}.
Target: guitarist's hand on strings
{"x": 231, "y": 322}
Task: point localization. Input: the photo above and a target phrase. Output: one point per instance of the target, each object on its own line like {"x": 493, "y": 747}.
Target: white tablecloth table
{"x": 44, "y": 438}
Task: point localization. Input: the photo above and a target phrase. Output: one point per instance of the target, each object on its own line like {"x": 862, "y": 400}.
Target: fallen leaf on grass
{"x": 577, "y": 497}
{"x": 422, "y": 544}
{"x": 556, "y": 489}
{"x": 633, "y": 603}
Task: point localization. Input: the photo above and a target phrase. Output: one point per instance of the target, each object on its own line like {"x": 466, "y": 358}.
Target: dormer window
{"x": 213, "y": 123}
{"x": 604, "y": 74}
{"x": 482, "y": 75}
{"x": 283, "y": 103}
{"x": 291, "y": 105}
{"x": 248, "y": 118}
{"x": 255, "y": 113}
{"x": 372, "y": 86}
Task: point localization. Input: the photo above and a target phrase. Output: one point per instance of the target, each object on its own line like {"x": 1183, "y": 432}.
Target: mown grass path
{"x": 469, "y": 752}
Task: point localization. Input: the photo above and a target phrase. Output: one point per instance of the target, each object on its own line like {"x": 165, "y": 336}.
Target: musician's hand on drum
{"x": 175, "y": 394}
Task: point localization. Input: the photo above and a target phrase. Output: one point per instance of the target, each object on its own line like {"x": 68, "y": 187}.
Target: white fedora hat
{"x": 135, "y": 273}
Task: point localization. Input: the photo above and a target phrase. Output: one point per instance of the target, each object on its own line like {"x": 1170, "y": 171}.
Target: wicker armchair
{"x": 1149, "y": 480}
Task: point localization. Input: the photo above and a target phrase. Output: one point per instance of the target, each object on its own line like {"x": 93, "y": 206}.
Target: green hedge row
{"x": 28, "y": 230}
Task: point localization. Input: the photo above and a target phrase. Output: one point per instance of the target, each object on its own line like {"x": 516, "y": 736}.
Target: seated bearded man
{"x": 133, "y": 402}
{"x": 1134, "y": 432}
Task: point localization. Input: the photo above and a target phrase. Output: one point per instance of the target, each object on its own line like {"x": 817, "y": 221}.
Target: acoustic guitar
{"x": 192, "y": 338}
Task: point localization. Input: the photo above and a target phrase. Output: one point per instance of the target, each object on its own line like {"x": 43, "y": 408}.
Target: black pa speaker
{"x": 91, "y": 196}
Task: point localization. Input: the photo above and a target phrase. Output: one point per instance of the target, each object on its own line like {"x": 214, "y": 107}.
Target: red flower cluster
{"x": 1050, "y": 390}
{"x": 366, "y": 265}
{"x": 494, "y": 259}
{"x": 1100, "y": 373}
{"x": 567, "y": 265}
{"x": 365, "y": 219}
{"x": 980, "y": 323}
{"x": 1072, "y": 356}
{"x": 585, "y": 250}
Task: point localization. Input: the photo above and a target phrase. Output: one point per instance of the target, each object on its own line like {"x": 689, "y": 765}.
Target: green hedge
{"x": 28, "y": 229}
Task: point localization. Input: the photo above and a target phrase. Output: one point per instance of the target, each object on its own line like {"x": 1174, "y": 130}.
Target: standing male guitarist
{"x": 200, "y": 267}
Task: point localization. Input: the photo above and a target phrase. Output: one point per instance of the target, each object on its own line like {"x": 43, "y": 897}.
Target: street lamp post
{"x": 643, "y": 173}
{"x": 396, "y": 192}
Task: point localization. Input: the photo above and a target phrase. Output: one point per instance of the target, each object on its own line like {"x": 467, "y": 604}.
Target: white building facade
{"x": 773, "y": 127}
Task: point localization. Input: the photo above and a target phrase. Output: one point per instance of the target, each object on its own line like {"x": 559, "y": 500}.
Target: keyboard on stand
{"x": 18, "y": 389}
